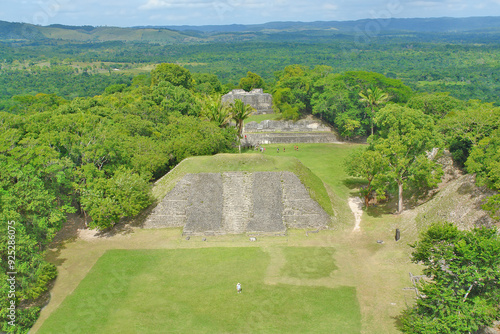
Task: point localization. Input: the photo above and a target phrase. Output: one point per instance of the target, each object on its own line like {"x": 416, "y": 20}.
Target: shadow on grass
{"x": 398, "y": 323}
{"x": 378, "y": 210}
{"x": 353, "y": 183}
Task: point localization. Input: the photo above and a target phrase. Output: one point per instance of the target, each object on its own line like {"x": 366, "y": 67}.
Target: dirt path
{"x": 355, "y": 203}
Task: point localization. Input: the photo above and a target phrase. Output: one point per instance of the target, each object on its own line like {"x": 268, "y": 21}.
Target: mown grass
{"x": 308, "y": 262}
{"x": 250, "y": 162}
{"x": 194, "y": 291}
{"x": 260, "y": 118}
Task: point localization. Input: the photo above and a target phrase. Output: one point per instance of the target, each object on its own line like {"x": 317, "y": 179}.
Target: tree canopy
{"x": 461, "y": 294}
{"x": 173, "y": 73}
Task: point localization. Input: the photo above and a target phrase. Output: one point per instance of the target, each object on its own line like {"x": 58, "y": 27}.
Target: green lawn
{"x": 260, "y": 118}
{"x": 194, "y": 291}
{"x": 320, "y": 262}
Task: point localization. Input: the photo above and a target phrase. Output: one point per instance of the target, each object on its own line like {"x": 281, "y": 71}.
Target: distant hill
{"x": 235, "y": 32}
{"x": 443, "y": 24}
{"x": 23, "y": 31}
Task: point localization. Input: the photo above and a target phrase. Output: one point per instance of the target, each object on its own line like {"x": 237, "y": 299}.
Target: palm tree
{"x": 216, "y": 111}
{"x": 373, "y": 98}
{"x": 240, "y": 111}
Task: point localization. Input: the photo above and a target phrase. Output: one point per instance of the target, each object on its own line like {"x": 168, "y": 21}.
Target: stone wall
{"x": 310, "y": 130}
{"x": 303, "y": 125}
{"x": 260, "y": 101}
{"x": 238, "y": 202}
{"x": 253, "y": 139}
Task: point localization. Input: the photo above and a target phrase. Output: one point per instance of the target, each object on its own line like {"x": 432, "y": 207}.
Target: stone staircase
{"x": 267, "y": 196}
{"x": 238, "y": 204}
{"x": 204, "y": 208}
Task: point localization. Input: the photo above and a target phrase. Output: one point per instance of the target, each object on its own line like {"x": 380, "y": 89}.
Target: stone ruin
{"x": 310, "y": 130}
{"x": 238, "y": 202}
{"x": 260, "y": 101}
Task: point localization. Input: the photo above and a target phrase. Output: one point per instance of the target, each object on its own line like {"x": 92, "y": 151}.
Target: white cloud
{"x": 330, "y": 6}
{"x": 169, "y": 4}
{"x": 424, "y": 3}
{"x": 456, "y": 5}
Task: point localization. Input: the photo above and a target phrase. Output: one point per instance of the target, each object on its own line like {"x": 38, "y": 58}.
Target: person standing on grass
{"x": 278, "y": 150}
{"x": 238, "y": 287}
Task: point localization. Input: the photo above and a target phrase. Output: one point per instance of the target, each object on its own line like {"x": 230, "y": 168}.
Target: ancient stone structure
{"x": 238, "y": 202}
{"x": 303, "y": 125}
{"x": 260, "y": 101}
{"x": 309, "y": 130}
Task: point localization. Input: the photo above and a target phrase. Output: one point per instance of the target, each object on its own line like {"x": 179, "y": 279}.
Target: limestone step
{"x": 204, "y": 207}
{"x": 237, "y": 206}
{"x": 171, "y": 211}
{"x": 289, "y": 138}
{"x": 267, "y": 195}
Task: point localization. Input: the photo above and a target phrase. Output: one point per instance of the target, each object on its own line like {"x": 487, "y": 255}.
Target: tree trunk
{"x": 400, "y": 197}
{"x": 373, "y": 114}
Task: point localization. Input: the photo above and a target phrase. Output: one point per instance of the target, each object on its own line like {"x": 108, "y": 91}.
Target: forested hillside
{"x": 426, "y": 63}
{"x": 95, "y": 156}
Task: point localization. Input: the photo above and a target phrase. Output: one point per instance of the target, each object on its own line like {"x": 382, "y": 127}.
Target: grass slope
{"x": 193, "y": 291}
{"x": 263, "y": 117}
{"x": 327, "y": 162}
{"x": 250, "y": 162}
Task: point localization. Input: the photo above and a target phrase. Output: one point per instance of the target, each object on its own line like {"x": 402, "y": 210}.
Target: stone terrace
{"x": 310, "y": 130}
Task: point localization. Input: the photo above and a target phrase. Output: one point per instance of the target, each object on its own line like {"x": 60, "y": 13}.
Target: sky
{"x": 128, "y": 13}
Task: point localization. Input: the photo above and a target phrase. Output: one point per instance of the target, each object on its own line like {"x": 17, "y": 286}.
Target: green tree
{"x": 437, "y": 105}
{"x": 240, "y": 111}
{"x": 368, "y": 165}
{"x": 175, "y": 74}
{"x": 207, "y": 83}
{"x": 373, "y": 97}
{"x": 251, "y": 81}
{"x": 216, "y": 111}
{"x": 464, "y": 128}
{"x": 484, "y": 160}
{"x": 291, "y": 95}
{"x": 404, "y": 140}
{"x": 107, "y": 200}
{"x": 461, "y": 294}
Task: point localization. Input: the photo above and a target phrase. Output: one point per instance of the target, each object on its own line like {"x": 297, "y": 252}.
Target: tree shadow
{"x": 353, "y": 183}
{"x": 376, "y": 211}
{"x": 387, "y": 207}
{"x": 68, "y": 233}
{"x": 398, "y": 323}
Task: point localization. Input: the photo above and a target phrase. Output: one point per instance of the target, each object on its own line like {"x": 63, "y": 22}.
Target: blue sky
{"x": 125, "y": 13}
